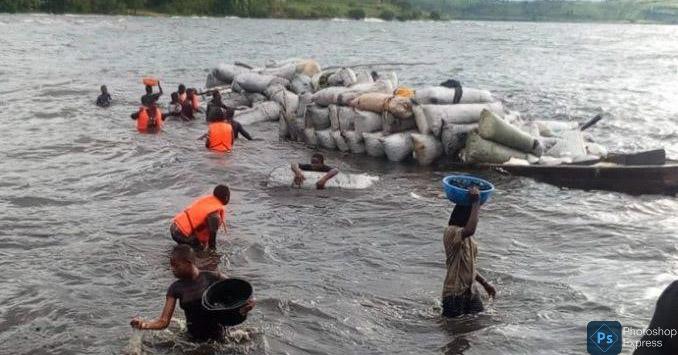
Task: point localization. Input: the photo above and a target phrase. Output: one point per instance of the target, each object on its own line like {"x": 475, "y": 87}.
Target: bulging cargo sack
{"x": 264, "y": 111}
{"x": 301, "y": 84}
{"x": 310, "y": 137}
{"x": 212, "y": 81}
{"x": 555, "y": 128}
{"x": 284, "y": 176}
{"x": 479, "y": 150}
{"x": 342, "y": 118}
{"x": 225, "y": 73}
{"x": 569, "y": 144}
{"x": 378, "y": 102}
{"x": 328, "y": 96}
{"x": 492, "y": 127}
{"x": 305, "y": 100}
{"x": 254, "y": 82}
{"x": 318, "y": 117}
{"x": 392, "y": 124}
{"x": 342, "y": 77}
{"x": 234, "y": 99}
{"x": 355, "y": 141}
{"x": 400, "y": 107}
{"x": 459, "y": 114}
{"x": 399, "y": 146}
{"x": 363, "y": 76}
{"x": 308, "y": 67}
{"x": 355, "y": 91}
{"x": 255, "y": 97}
{"x": 287, "y": 99}
{"x": 287, "y": 71}
{"x": 454, "y": 137}
{"x": 374, "y": 147}
{"x": 427, "y": 148}
{"x": 439, "y": 95}
{"x": 325, "y": 139}
{"x": 367, "y": 122}
{"x": 319, "y": 80}
{"x": 283, "y": 130}
{"x": 404, "y": 91}
{"x": 339, "y": 141}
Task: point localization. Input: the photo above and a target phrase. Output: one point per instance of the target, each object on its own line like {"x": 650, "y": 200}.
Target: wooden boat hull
{"x": 637, "y": 180}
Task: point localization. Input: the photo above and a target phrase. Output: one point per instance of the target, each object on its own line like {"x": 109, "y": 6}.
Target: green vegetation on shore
{"x": 660, "y": 11}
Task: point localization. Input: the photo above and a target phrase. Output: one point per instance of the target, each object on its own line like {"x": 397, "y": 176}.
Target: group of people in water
{"x": 195, "y": 228}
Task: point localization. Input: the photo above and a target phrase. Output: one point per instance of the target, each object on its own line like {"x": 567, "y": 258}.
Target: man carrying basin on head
{"x": 150, "y": 97}
{"x": 197, "y": 225}
{"x": 460, "y": 293}
{"x": 192, "y": 283}
{"x": 317, "y": 165}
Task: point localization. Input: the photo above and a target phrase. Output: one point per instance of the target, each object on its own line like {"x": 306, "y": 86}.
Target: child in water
{"x": 460, "y": 294}
{"x": 188, "y": 290}
{"x": 104, "y": 100}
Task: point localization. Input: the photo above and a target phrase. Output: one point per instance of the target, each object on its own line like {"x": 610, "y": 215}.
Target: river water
{"x": 87, "y": 201}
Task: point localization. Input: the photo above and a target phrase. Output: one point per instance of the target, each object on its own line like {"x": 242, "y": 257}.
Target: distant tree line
{"x": 538, "y": 10}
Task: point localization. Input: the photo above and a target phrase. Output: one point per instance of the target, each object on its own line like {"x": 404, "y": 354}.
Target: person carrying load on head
{"x": 150, "y": 97}
{"x": 317, "y": 165}
{"x": 149, "y": 118}
{"x": 460, "y": 294}
{"x": 220, "y": 133}
{"x": 188, "y": 289}
{"x": 104, "y": 100}
{"x": 197, "y": 225}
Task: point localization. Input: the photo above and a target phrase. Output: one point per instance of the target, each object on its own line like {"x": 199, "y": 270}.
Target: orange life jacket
{"x": 144, "y": 121}
{"x": 182, "y": 97}
{"x": 193, "y": 220}
{"x": 220, "y": 135}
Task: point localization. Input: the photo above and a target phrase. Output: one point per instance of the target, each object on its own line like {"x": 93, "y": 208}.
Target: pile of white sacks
{"x": 353, "y": 112}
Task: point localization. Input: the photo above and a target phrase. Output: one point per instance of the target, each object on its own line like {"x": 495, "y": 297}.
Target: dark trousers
{"x": 180, "y": 238}
{"x": 466, "y": 303}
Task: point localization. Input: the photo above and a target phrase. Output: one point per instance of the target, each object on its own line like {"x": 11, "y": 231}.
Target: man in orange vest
{"x": 197, "y": 225}
{"x": 219, "y": 134}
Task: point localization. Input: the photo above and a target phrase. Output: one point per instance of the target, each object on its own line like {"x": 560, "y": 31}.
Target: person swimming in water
{"x": 150, "y": 96}
{"x": 104, "y": 100}
{"x": 317, "y": 165}
{"x": 460, "y": 294}
{"x": 191, "y": 283}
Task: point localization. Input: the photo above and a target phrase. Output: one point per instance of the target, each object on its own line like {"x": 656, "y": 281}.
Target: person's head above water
{"x": 182, "y": 261}
{"x": 317, "y": 160}
{"x": 182, "y": 88}
{"x": 104, "y": 89}
{"x": 223, "y": 193}
{"x": 229, "y": 113}
{"x": 216, "y": 96}
{"x": 459, "y": 216}
{"x": 190, "y": 92}
{"x": 149, "y": 89}
{"x": 175, "y": 97}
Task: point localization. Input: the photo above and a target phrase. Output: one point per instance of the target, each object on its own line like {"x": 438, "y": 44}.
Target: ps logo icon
{"x": 604, "y": 337}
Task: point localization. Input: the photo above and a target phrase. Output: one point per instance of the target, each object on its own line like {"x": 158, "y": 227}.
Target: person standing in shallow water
{"x": 460, "y": 293}
{"x": 104, "y": 100}
{"x": 197, "y": 225}
{"x": 188, "y": 290}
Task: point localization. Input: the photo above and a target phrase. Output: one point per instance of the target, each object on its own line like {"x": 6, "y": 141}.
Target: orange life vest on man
{"x": 144, "y": 120}
{"x": 220, "y": 135}
{"x": 193, "y": 220}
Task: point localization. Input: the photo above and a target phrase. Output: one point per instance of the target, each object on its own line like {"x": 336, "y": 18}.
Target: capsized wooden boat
{"x": 641, "y": 173}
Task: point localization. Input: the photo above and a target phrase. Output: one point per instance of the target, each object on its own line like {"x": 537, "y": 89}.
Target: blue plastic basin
{"x": 456, "y": 188}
